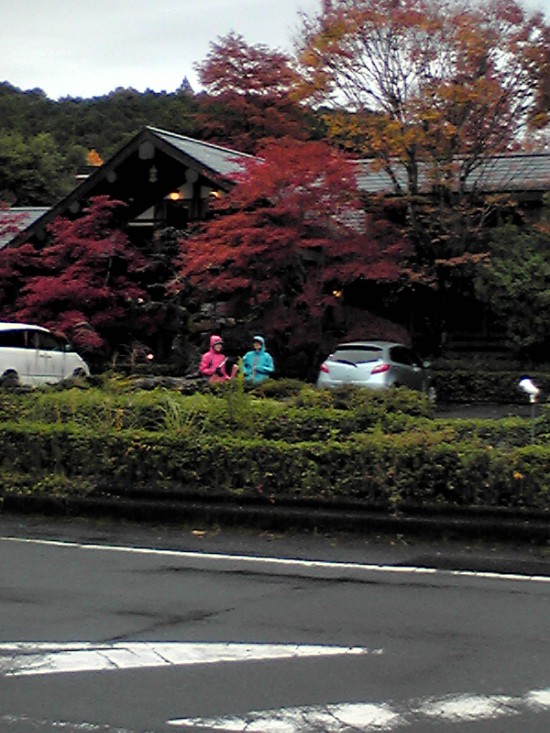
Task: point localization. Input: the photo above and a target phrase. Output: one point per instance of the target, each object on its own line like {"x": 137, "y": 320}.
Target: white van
{"x": 32, "y": 355}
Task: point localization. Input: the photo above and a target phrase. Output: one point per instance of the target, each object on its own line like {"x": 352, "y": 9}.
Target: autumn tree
{"x": 86, "y": 282}
{"x": 285, "y": 243}
{"x": 428, "y": 89}
{"x": 247, "y": 96}
{"x": 542, "y": 95}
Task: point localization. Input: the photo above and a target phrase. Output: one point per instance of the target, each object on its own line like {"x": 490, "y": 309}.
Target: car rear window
{"x": 356, "y": 355}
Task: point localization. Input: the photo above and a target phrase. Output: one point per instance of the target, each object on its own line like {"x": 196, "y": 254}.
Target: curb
{"x": 485, "y": 525}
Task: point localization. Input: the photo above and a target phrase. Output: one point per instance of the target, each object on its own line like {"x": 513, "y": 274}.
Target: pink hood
{"x": 212, "y": 359}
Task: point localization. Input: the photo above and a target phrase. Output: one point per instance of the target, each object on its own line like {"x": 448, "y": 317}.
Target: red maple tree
{"x": 248, "y": 96}
{"x": 85, "y": 282}
{"x": 287, "y": 241}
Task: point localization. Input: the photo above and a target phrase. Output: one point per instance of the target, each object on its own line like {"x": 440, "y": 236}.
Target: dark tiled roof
{"x": 520, "y": 172}
{"x": 514, "y": 172}
{"x": 223, "y": 161}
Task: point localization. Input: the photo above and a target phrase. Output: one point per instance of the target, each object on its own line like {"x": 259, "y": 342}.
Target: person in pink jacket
{"x": 213, "y": 362}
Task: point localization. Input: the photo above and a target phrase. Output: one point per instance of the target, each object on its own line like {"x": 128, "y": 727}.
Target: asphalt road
{"x": 138, "y": 629}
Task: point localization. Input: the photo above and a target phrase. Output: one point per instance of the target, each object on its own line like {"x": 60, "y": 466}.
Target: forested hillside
{"x": 44, "y": 142}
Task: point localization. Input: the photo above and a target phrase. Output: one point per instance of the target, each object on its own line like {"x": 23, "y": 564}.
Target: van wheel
{"x": 9, "y": 379}
{"x": 79, "y": 372}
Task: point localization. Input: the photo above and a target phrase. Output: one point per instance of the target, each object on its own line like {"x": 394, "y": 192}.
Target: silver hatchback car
{"x": 377, "y": 365}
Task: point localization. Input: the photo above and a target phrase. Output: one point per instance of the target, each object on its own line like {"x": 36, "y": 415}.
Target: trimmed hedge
{"x": 384, "y": 471}
{"x": 289, "y": 443}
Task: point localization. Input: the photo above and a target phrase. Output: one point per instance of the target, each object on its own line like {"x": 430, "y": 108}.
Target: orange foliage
{"x": 94, "y": 158}
{"x": 429, "y": 90}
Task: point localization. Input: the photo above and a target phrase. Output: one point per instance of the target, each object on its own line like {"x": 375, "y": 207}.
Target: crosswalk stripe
{"x": 19, "y": 659}
{"x": 382, "y": 717}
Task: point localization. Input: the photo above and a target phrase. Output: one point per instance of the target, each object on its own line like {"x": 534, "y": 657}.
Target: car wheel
{"x": 431, "y": 393}
{"x": 9, "y": 379}
{"x": 79, "y": 372}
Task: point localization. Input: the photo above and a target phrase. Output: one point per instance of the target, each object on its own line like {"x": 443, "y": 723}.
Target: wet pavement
{"x": 488, "y": 410}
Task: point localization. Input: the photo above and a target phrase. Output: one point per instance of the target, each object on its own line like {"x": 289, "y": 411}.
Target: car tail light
{"x": 324, "y": 368}
{"x": 380, "y": 368}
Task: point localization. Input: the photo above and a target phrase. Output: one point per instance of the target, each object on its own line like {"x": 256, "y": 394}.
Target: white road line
{"x": 30, "y": 658}
{"x": 7, "y": 722}
{"x": 367, "y": 717}
{"x": 276, "y": 563}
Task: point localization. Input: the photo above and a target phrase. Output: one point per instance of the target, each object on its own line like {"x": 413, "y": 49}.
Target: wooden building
{"x": 164, "y": 179}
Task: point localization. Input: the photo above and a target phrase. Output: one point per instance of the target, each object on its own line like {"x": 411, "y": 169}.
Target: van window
{"x": 47, "y": 341}
{"x": 14, "y": 339}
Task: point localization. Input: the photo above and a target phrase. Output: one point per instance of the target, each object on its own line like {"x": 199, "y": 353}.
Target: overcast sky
{"x": 90, "y": 47}
{"x": 86, "y": 48}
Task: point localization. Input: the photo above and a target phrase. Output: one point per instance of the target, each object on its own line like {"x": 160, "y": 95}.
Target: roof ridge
{"x": 505, "y": 156}
{"x": 30, "y": 208}
{"x": 169, "y": 133}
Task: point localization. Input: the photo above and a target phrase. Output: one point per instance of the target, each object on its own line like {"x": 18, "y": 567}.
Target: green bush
{"x": 228, "y": 410}
{"x": 282, "y": 389}
{"x": 383, "y": 450}
{"x": 424, "y": 468}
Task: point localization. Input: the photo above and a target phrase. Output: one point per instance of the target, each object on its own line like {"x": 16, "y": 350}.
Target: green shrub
{"x": 380, "y": 449}
{"x": 423, "y": 468}
{"x": 282, "y": 389}
{"x": 230, "y": 409}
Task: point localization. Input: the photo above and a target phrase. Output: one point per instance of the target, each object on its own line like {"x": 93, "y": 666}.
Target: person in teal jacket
{"x": 257, "y": 364}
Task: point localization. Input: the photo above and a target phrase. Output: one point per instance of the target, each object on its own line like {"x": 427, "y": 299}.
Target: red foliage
{"x": 248, "y": 95}
{"x": 233, "y": 66}
{"x": 88, "y": 281}
{"x": 16, "y": 265}
{"x": 245, "y": 122}
{"x": 288, "y": 239}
